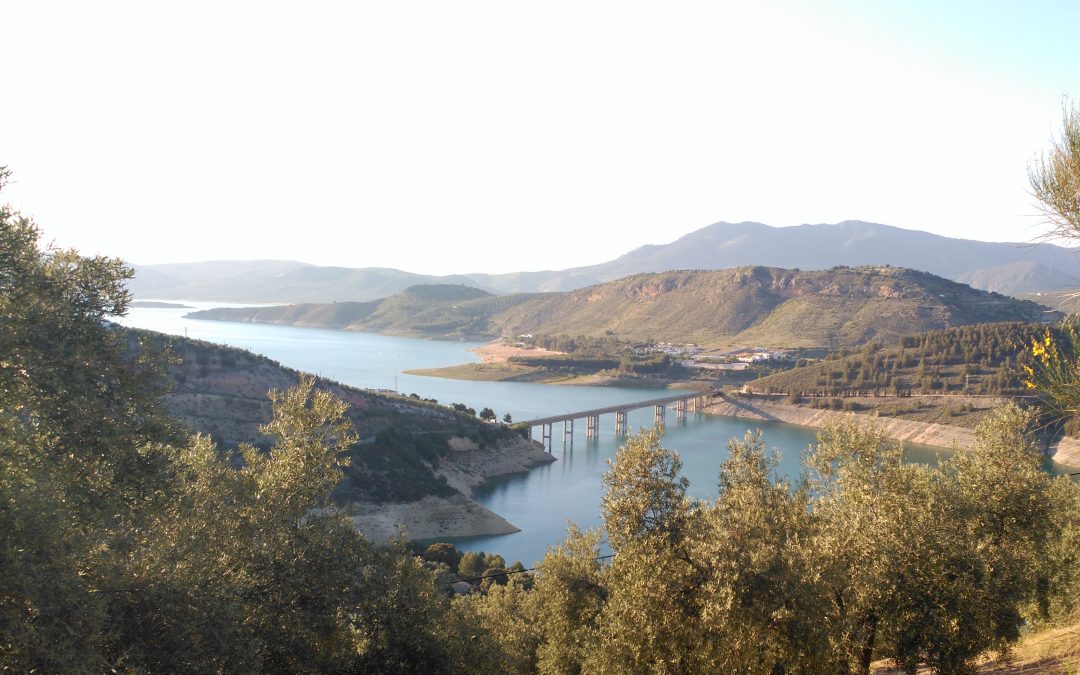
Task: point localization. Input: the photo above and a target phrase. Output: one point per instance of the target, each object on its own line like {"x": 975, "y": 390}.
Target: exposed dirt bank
{"x": 499, "y": 352}
{"x": 428, "y": 518}
{"x": 1054, "y": 650}
{"x": 1066, "y": 451}
{"x": 940, "y": 435}
{"x": 466, "y": 467}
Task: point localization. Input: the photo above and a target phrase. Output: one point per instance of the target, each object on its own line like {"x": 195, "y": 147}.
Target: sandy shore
{"x": 499, "y": 352}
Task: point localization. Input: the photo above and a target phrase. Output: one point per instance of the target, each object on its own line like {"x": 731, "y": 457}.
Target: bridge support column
{"x": 620, "y": 423}
{"x": 592, "y": 426}
{"x": 568, "y": 431}
{"x": 546, "y": 436}
{"x": 658, "y": 415}
{"x": 680, "y": 409}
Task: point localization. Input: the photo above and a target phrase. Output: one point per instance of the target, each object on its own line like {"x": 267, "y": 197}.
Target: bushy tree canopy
{"x": 128, "y": 545}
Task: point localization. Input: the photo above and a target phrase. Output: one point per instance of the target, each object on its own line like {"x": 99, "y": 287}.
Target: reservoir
{"x": 542, "y": 501}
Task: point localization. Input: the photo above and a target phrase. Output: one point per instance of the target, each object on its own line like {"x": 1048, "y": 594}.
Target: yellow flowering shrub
{"x": 1054, "y": 370}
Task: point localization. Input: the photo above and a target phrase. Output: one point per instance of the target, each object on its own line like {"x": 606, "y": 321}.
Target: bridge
{"x": 692, "y": 401}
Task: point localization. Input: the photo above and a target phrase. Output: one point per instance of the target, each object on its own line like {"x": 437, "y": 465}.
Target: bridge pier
{"x": 620, "y": 423}
{"x": 681, "y": 403}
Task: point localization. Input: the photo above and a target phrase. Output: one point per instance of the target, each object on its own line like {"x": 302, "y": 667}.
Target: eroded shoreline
{"x": 469, "y": 467}
{"x": 1065, "y": 451}
{"x": 459, "y": 515}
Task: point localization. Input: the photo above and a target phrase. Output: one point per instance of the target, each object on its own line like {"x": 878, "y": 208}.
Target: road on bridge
{"x": 622, "y": 407}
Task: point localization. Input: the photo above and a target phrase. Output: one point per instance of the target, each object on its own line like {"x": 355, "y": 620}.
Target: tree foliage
{"x": 644, "y": 495}
{"x": 1055, "y": 178}
{"x": 1055, "y": 183}
{"x": 865, "y": 558}
{"x": 127, "y": 545}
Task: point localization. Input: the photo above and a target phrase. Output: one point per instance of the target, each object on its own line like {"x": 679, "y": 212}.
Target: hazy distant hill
{"x": 749, "y": 305}
{"x": 1001, "y": 267}
{"x": 273, "y": 281}
{"x": 428, "y": 310}
{"x": 1005, "y": 268}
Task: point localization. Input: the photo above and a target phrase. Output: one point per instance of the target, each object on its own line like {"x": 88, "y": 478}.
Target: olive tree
{"x": 1055, "y": 178}
{"x": 129, "y": 545}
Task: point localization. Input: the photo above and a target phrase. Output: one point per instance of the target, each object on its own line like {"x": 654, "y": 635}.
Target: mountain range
{"x": 1010, "y": 268}
{"x": 763, "y": 306}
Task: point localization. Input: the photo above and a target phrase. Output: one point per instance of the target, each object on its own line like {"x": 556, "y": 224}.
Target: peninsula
{"x": 416, "y": 464}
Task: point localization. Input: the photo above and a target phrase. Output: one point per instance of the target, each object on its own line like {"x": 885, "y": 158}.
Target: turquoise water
{"x": 541, "y": 501}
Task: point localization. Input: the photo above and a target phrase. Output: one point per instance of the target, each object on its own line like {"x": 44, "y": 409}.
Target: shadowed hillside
{"x": 222, "y": 391}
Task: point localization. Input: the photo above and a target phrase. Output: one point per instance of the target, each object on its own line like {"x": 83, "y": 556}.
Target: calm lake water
{"x": 541, "y": 501}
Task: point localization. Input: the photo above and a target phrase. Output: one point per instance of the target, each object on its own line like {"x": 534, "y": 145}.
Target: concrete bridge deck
{"x": 592, "y": 417}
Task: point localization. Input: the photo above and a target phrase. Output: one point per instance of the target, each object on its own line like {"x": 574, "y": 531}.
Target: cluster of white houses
{"x": 739, "y": 359}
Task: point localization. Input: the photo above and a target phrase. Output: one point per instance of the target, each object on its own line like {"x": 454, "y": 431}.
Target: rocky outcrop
{"x": 466, "y": 467}
{"x": 1066, "y": 451}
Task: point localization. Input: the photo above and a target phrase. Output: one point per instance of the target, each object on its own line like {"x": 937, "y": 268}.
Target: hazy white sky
{"x": 499, "y": 136}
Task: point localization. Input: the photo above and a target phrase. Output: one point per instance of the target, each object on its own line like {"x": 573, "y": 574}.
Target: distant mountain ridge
{"x": 986, "y": 265}
{"x": 1001, "y": 267}
{"x": 748, "y": 305}
{"x": 274, "y": 281}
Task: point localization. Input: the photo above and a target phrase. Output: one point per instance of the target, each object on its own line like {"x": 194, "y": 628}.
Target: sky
{"x": 455, "y": 137}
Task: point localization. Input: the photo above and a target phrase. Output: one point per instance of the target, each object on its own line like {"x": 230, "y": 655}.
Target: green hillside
{"x": 977, "y": 359}
{"x": 759, "y": 306}
{"x": 322, "y": 315}
{"x": 768, "y": 307}
{"x": 444, "y": 311}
